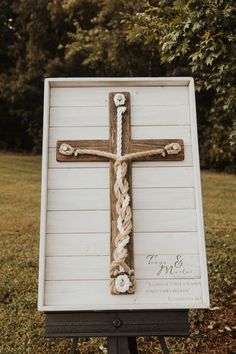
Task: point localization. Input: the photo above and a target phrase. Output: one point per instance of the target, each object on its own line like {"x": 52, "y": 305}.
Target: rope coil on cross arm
{"x": 170, "y": 149}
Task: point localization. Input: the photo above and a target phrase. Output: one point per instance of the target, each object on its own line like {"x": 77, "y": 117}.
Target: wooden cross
{"x": 128, "y": 146}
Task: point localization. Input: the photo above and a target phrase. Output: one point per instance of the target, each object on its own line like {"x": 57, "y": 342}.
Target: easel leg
{"x": 74, "y": 345}
{"x": 133, "y": 349}
{"x": 163, "y": 345}
{"x": 117, "y": 345}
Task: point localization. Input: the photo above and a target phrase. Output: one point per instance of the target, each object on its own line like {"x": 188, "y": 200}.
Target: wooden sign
{"x": 121, "y": 223}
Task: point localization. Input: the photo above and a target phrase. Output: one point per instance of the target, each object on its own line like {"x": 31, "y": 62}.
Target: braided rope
{"x": 122, "y": 277}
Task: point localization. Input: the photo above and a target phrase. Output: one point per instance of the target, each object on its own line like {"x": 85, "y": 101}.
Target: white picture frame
{"x": 181, "y": 96}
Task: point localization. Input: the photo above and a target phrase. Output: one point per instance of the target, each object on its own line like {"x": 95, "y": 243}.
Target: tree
{"x": 36, "y": 28}
{"x": 198, "y": 38}
{"x": 104, "y": 46}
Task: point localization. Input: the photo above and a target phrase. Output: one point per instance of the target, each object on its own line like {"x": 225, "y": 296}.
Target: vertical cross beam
{"x": 126, "y": 149}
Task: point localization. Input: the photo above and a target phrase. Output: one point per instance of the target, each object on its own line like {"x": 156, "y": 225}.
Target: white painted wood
{"x": 197, "y": 180}
{"x": 151, "y": 266}
{"x": 159, "y": 115}
{"x": 99, "y": 221}
{"x": 163, "y": 198}
{"x": 164, "y": 220}
{"x": 43, "y": 220}
{"x": 150, "y": 294}
{"x": 165, "y": 195}
{"x": 77, "y": 133}
{"x": 142, "y": 177}
{"x": 163, "y": 177}
{"x": 162, "y": 132}
{"x": 118, "y": 81}
{"x": 79, "y": 199}
{"x": 82, "y": 178}
{"x": 99, "y": 116}
{"x": 102, "y": 133}
{"x": 145, "y": 96}
{"x": 166, "y": 243}
{"x": 90, "y": 199}
{"x": 78, "y": 221}
{"x": 144, "y": 243}
{"x": 188, "y": 161}
{"x": 85, "y": 116}
{"x": 78, "y": 244}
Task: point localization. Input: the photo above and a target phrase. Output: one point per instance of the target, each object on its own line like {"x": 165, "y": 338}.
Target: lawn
{"x": 22, "y": 327}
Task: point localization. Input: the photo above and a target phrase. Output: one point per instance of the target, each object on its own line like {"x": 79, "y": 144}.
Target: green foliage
{"x": 104, "y": 46}
{"x": 119, "y": 38}
{"x": 197, "y": 38}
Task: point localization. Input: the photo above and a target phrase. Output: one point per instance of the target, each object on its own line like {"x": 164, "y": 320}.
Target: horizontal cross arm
{"x": 142, "y": 145}
{"x": 102, "y": 145}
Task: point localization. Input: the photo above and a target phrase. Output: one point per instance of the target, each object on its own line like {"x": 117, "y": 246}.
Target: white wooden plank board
{"x": 77, "y": 133}
{"x": 99, "y": 116}
{"x": 162, "y": 177}
{"x": 122, "y": 82}
{"x": 149, "y": 294}
{"x": 78, "y": 244}
{"x": 152, "y": 266}
{"x": 102, "y": 133}
{"x": 78, "y": 221}
{"x": 82, "y": 178}
{"x": 79, "y": 199}
{"x": 99, "y": 221}
{"x": 144, "y": 243}
{"x": 188, "y": 161}
{"x": 163, "y": 198}
{"x": 141, "y": 177}
{"x": 167, "y": 212}
{"x": 99, "y": 199}
{"x": 164, "y": 220}
{"x": 162, "y": 132}
{"x": 166, "y": 243}
{"x": 79, "y": 116}
{"x": 159, "y": 115}
{"x": 77, "y": 97}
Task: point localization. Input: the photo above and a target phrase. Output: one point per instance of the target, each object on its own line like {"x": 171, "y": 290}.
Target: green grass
{"x": 22, "y": 327}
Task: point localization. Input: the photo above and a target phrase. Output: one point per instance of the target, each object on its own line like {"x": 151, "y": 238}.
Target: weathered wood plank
{"x": 135, "y": 146}
{"x": 163, "y": 132}
{"x": 145, "y": 96}
{"x": 102, "y": 145}
{"x": 145, "y": 243}
{"x": 100, "y": 323}
{"x": 102, "y": 133}
{"x": 188, "y": 161}
{"x": 77, "y": 133}
{"x": 99, "y": 116}
{"x": 153, "y": 144}
{"x": 144, "y": 221}
{"x": 165, "y": 177}
{"x": 165, "y": 220}
{"x": 146, "y": 267}
{"x": 149, "y": 295}
{"x": 126, "y": 136}
{"x": 143, "y": 198}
